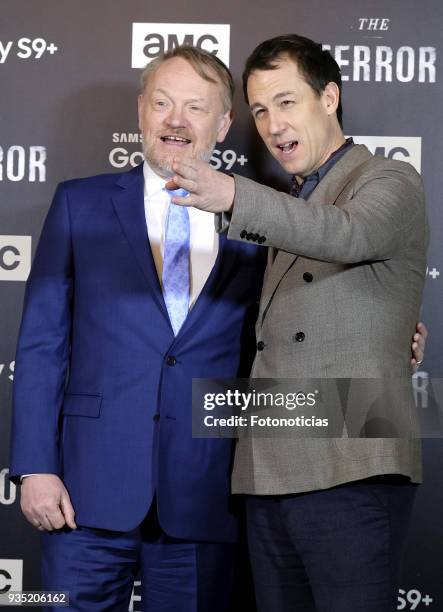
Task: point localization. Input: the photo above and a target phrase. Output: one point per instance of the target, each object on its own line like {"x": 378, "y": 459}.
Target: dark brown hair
{"x": 318, "y": 67}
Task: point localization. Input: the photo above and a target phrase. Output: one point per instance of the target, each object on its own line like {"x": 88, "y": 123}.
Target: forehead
{"x": 178, "y": 75}
{"x": 285, "y": 75}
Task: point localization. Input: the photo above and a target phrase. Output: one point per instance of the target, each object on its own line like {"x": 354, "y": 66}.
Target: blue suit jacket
{"x": 92, "y": 367}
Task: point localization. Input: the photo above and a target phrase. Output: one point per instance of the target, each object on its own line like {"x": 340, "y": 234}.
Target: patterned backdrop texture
{"x": 69, "y": 80}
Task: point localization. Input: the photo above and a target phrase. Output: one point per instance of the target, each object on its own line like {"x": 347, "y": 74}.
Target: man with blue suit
{"x": 128, "y": 301}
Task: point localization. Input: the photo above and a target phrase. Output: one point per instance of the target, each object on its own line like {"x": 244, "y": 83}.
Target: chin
{"x": 160, "y": 165}
{"x": 289, "y": 168}
{"x": 296, "y": 169}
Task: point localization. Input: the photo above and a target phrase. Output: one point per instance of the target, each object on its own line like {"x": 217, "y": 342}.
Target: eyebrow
{"x": 163, "y": 91}
{"x": 277, "y": 97}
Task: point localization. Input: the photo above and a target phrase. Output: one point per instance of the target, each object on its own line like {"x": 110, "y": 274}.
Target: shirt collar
{"x": 333, "y": 158}
{"x": 311, "y": 181}
{"x": 154, "y": 184}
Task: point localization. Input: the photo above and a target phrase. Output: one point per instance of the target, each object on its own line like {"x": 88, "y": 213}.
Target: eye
{"x": 286, "y": 103}
{"x": 160, "y": 104}
{"x": 196, "y": 108}
{"x": 258, "y": 113}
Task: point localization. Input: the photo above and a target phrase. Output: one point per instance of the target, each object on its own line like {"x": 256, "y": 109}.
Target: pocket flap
{"x": 78, "y": 404}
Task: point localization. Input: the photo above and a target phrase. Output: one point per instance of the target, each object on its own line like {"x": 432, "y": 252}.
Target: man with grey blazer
{"x": 343, "y": 287}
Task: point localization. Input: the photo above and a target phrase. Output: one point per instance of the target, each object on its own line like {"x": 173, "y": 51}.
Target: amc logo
{"x": 403, "y": 148}
{"x": 11, "y": 575}
{"x": 15, "y": 258}
{"x": 149, "y": 40}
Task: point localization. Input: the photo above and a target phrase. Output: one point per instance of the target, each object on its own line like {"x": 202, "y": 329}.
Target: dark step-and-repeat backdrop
{"x": 69, "y": 81}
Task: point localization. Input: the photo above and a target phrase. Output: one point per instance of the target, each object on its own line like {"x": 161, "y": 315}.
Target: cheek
{"x": 260, "y": 127}
{"x": 151, "y": 129}
{"x": 202, "y": 133}
{"x": 310, "y": 137}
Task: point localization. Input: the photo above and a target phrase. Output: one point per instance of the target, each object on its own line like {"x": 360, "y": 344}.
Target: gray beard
{"x": 163, "y": 165}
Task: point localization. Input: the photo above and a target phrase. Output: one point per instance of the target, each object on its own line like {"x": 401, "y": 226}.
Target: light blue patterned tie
{"x": 176, "y": 263}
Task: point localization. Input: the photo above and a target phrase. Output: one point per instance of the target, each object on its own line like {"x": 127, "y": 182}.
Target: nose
{"x": 276, "y": 124}
{"x": 176, "y": 116}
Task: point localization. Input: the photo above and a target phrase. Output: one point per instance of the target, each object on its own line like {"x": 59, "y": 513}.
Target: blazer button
{"x": 307, "y": 276}
{"x": 261, "y": 239}
{"x": 298, "y": 337}
{"x": 243, "y": 234}
{"x": 260, "y": 345}
{"x": 156, "y": 417}
{"x": 171, "y": 360}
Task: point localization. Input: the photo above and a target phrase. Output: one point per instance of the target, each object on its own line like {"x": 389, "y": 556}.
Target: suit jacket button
{"x": 156, "y": 417}
{"x": 171, "y": 360}
{"x": 299, "y": 337}
{"x": 243, "y": 234}
{"x": 307, "y": 276}
{"x": 260, "y": 345}
{"x": 261, "y": 239}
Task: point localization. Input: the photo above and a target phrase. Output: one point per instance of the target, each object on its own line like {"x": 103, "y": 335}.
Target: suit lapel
{"x": 280, "y": 266}
{"x": 213, "y": 288}
{"x": 339, "y": 176}
{"x": 326, "y": 193}
{"x": 128, "y": 204}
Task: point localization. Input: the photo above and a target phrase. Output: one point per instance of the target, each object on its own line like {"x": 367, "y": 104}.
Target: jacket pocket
{"x": 79, "y": 404}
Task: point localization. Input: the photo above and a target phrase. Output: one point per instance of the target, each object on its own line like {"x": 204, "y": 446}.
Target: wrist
{"x": 230, "y": 196}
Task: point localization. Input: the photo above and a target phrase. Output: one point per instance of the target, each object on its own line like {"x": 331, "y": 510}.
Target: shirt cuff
{"x": 23, "y": 476}
{"x": 222, "y": 222}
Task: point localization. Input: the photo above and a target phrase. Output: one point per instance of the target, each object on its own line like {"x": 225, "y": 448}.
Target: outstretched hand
{"x": 208, "y": 189}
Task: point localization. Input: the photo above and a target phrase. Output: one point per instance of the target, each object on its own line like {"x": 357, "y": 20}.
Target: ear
{"x": 225, "y": 124}
{"x": 140, "y": 104}
{"x": 331, "y": 97}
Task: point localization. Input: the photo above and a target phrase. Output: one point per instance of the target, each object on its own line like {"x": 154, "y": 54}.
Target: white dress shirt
{"x": 203, "y": 237}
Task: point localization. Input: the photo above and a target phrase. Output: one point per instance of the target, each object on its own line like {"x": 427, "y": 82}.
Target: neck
{"x": 338, "y": 142}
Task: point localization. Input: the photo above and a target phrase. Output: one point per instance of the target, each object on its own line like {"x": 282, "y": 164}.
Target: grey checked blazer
{"x": 362, "y": 237}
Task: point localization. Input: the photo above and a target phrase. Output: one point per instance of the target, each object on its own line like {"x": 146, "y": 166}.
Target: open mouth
{"x": 176, "y": 140}
{"x": 288, "y": 147}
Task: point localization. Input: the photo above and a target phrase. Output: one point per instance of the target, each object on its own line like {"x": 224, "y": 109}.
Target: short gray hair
{"x": 205, "y": 64}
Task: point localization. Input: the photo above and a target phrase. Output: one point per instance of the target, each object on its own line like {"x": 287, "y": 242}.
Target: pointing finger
{"x": 188, "y": 184}
{"x": 184, "y": 168}
{"x": 171, "y": 185}
{"x": 187, "y": 201}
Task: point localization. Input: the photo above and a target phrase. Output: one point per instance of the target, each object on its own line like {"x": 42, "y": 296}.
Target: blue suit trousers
{"x": 97, "y": 567}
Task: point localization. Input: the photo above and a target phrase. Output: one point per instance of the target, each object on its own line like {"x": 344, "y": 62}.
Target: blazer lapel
{"x": 339, "y": 176}
{"x": 128, "y": 203}
{"x": 326, "y": 193}
{"x": 214, "y": 286}
{"x": 280, "y": 266}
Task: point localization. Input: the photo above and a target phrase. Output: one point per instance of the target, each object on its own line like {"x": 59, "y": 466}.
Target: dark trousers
{"x": 98, "y": 567}
{"x": 336, "y": 550}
